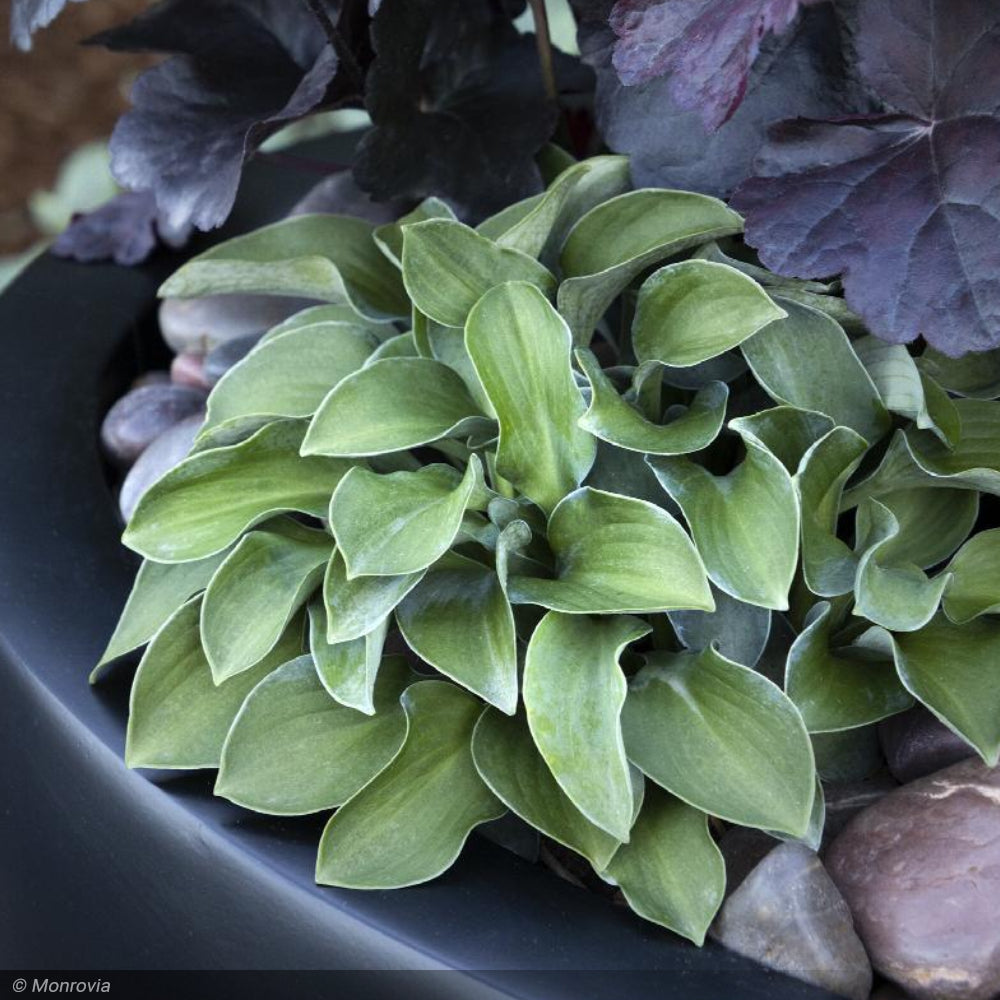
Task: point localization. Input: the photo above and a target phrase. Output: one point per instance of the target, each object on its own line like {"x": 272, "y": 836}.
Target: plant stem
{"x": 544, "y": 42}
{"x": 333, "y": 36}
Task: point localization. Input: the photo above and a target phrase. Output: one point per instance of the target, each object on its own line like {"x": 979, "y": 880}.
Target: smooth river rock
{"x": 788, "y": 915}
{"x": 158, "y": 459}
{"x": 916, "y": 743}
{"x": 197, "y": 325}
{"x": 143, "y": 414}
{"x": 921, "y": 872}
{"x": 221, "y": 358}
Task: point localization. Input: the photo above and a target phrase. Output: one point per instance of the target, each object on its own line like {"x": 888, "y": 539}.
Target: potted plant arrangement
{"x": 638, "y": 518}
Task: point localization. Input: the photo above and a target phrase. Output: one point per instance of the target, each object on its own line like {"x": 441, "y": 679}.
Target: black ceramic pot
{"x": 104, "y": 868}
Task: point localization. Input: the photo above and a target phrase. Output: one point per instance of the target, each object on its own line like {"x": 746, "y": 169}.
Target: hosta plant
{"x": 581, "y": 515}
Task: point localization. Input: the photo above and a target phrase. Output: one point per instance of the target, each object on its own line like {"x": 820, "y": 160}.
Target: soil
{"x": 54, "y": 98}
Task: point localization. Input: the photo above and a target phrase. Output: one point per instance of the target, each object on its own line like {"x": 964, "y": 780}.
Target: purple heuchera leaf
{"x": 127, "y": 230}
{"x": 707, "y": 48}
{"x": 27, "y": 16}
{"x": 242, "y": 69}
{"x": 458, "y": 105}
{"x": 906, "y": 205}
{"x": 801, "y": 72}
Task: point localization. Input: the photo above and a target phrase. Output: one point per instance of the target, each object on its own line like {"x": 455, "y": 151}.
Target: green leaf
{"x": 458, "y": 620}
{"x": 341, "y": 314}
{"x": 616, "y": 241}
{"x": 400, "y": 346}
{"x": 509, "y": 762}
{"x": 626, "y": 473}
{"x": 976, "y": 374}
{"x": 786, "y": 431}
{"x": 694, "y": 310}
{"x": 521, "y": 349}
{"x": 178, "y": 716}
{"x": 828, "y": 564}
{"x": 918, "y": 459}
{"x": 738, "y": 630}
{"x": 787, "y": 356}
{"x": 402, "y": 522}
{"x": 838, "y": 689}
{"x": 391, "y": 405}
{"x": 448, "y": 267}
{"x": 447, "y": 345}
{"x": 889, "y": 590}
{"x": 347, "y": 670}
{"x": 904, "y": 390}
{"x": 389, "y": 237}
{"x": 257, "y": 590}
{"x": 671, "y": 872}
{"x": 616, "y": 554}
{"x": 974, "y": 588}
{"x": 573, "y": 694}
{"x": 745, "y": 755}
{"x": 932, "y": 523}
{"x": 327, "y": 257}
{"x": 293, "y": 750}
{"x": 745, "y": 524}
{"x": 541, "y": 231}
{"x": 355, "y": 607}
{"x": 408, "y": 824}
{"x": 229, "y": 432}
{"x": 612, "y": 419}
{"x": 288, "y": 376}
{"x": 952, "y": 669}
{"x": 204, "y": 504}
{"x": 158, "y": 591}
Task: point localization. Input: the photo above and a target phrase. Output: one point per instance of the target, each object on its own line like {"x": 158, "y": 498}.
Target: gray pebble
{"x": 789, "y": 916}
{"x": 222, "y": 357}
{"x": 159, "y": 458}
{"x": 917, "y": 743}
{"x": 143, "y": 414}
{"x": 199, "y": 324}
